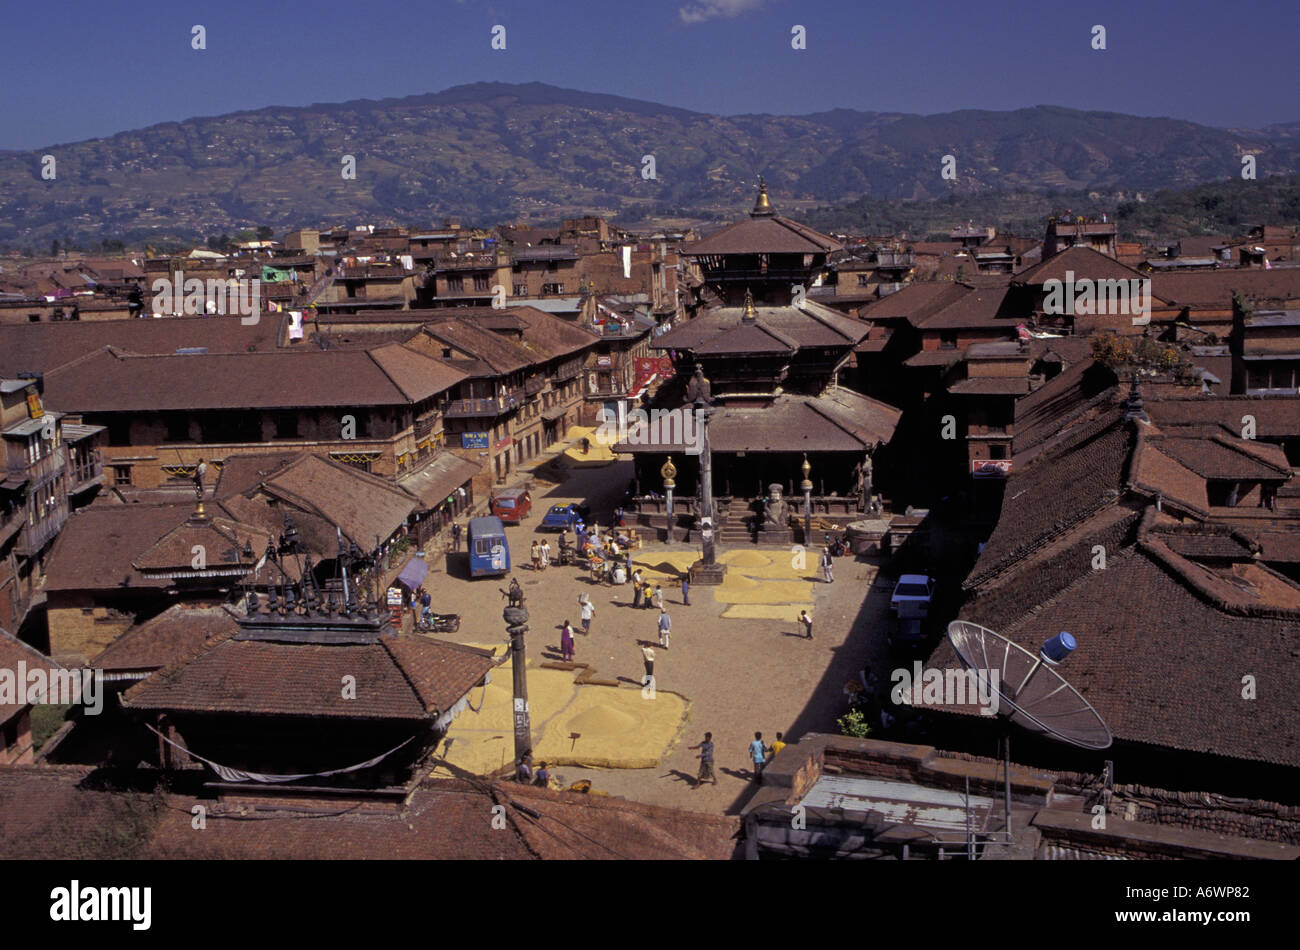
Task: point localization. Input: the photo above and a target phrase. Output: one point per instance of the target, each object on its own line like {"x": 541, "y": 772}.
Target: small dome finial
{"x": 750, "y": 315}
{"x": 762, "y": 205}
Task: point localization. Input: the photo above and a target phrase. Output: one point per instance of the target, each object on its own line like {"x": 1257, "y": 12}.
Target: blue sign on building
{"x": 473, "y": 440}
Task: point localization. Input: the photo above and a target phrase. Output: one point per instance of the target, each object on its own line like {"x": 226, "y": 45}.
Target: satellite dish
{"x": 1038, "y": 697}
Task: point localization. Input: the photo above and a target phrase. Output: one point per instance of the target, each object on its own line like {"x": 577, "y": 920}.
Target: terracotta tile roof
{"x": 1209, "y": 541}
{"x": 1224, "y": 458}
{"x": 1163, "y": 644}
{"x": 1280, "y": 546}
{"x": 549, "y": 336}
{"x": 770, "y": 235}
{"x": 239, "y": 473}
{"x": 42, "y": 347}
{"x": 940, "y": 357}
{"x": 917, "y": 301}
{"x": 416, "y": 375}
{"x": 12, "y": 652}
{"x": 990, "y": 386}
{"x": 361, "y": 504}
{"x": 840, "y": 421}
{"x": 175, "y": 635}
{"x": 221, "y": 539}
{"x": 719, "y": 331}
{"x": 52, "y": 812}
{"x": 110, "y": 381}
{"x": 1213, "y": 289}
{"x": 936, "y": 248}
{"x": 1275, "y": 416}
{"x": 621, "y": 829}
{"x": 1083, "y": 261}
{"x": 988, "y": 306}
{"x": 739, "y": 340}
{"x": 1060, "y": 488}
{"x": 411, "y": 678}
{"x": 439, "y": 478}
{"x": 97, "y": 546}
{"x": 498, "y": 355}
{"x": 1156, "y": 472}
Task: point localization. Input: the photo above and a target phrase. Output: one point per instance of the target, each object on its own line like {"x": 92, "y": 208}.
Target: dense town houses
{"x": 1025, "y": 402}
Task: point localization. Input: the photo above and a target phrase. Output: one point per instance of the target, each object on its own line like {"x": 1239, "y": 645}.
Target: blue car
{"x": 560, "y": 517}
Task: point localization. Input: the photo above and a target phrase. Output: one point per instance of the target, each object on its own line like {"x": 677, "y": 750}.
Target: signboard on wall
{"x": 473, "y": 440}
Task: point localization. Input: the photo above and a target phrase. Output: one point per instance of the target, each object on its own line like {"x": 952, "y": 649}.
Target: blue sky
{"x": 78, "y": 70}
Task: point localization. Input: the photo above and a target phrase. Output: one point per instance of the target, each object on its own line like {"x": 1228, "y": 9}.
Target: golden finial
{"x": 806, "y": 468}
{"x": 669, "y": 472}
{"x": 762, "y": 206}
{"x": 750, "y": 314}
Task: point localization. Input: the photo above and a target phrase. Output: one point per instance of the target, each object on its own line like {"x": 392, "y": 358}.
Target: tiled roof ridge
{"x": 1132, "y": 474}
{"x": 1244, "y": 446}
{"x": 84, "y": 357}
{"x": 1105, "y": 499}
{"x": 804, "y": 231}
{"x": 370, "y": 353}
{"x": 1012, "y": 558}
{"x": 774, "y": 333}
{"x": 827, "y": 318}
{"x": 386, "y": 643}
{"x": 1113, "y": 559}
{"x": 1215, "y": 592}
{"x": 5, "y": 635}
{"x": 374, "y": 480}
{"x": 830, "y": 417}
{"x": 1200, "y": 529}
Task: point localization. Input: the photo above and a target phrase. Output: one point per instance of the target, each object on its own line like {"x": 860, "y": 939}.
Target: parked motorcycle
{"x": 438, "y": 623}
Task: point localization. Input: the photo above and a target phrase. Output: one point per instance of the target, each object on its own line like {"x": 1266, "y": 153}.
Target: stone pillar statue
{"x": 775, "y": 510}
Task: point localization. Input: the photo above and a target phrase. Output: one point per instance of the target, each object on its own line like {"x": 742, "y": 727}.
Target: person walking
{"x": 536, "y": 552}
{"x": 659, "y": 597}
{"x": 686, "y": 590}
{"x": 566, "y": 642}
{"x": 706, "y": 761}
{"x": 588, "y": 611}
{"x": 638, "y": 590}
{"x": 828, "y": 565}
{"x": 806, "y": 622}
{"x": 455, "y": 538}
{"x": 648, "y": 658}
{"x": 758, "y": 756}
{"x": 777, "y": 745}
{"x": 546, "y": 554}
{"x": 665, "y": 627}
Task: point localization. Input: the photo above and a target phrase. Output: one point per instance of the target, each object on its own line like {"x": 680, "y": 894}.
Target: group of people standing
{"x": 759, "y": 754}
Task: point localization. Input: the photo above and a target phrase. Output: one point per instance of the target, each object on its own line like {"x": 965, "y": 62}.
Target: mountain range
{"x": 494, "y": 151}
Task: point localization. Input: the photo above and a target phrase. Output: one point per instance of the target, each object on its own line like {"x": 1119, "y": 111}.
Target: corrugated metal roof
{"x": 900, "y": 803}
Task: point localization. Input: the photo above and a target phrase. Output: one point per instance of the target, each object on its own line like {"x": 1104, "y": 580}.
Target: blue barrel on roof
{"x": 1059, "y": 647}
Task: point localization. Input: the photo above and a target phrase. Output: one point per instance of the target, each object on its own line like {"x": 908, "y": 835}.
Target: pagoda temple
{"x": 770, "y": 359}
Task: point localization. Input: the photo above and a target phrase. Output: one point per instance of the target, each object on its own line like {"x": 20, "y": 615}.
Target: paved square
{"x": 737, "y": 656}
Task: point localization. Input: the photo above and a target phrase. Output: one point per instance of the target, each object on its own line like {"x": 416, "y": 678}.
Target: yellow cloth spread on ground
{"x": 618, "y": 727}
